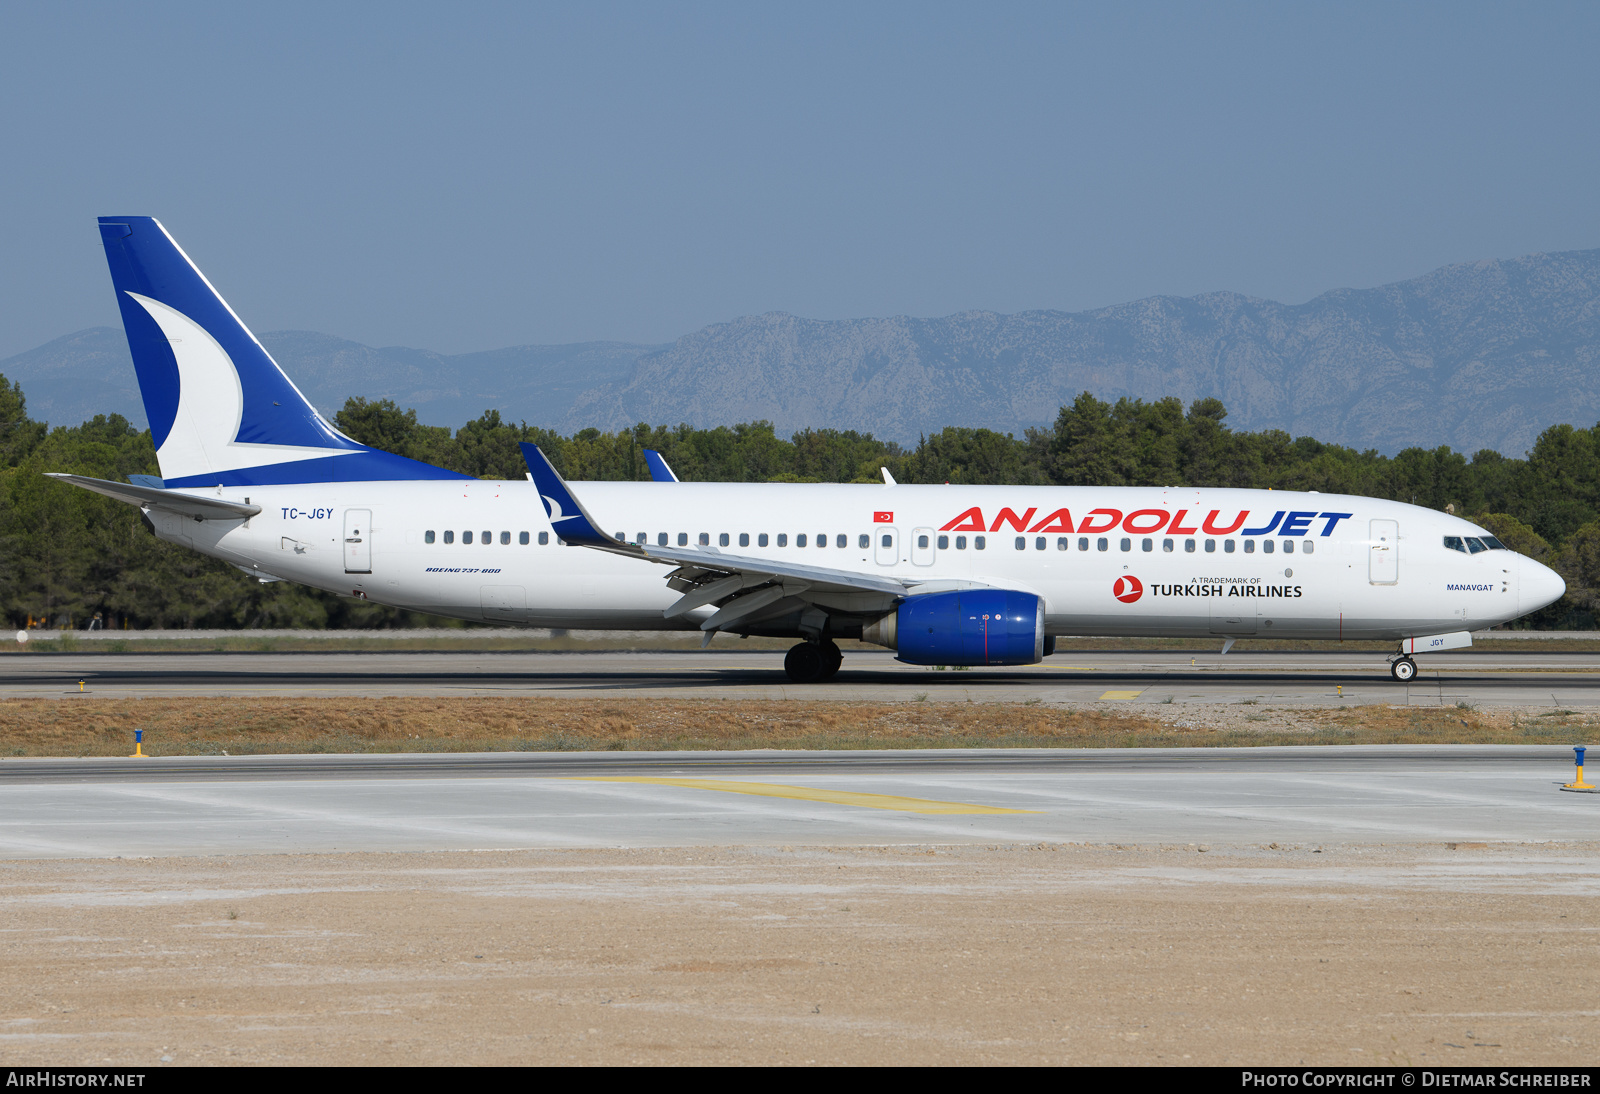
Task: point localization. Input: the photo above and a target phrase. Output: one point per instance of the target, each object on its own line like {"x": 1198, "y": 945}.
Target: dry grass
{"x": 104, "y": 727}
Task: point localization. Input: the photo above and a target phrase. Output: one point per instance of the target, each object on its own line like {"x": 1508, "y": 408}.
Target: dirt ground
{"x": 182, "y": 727}
{"x": 1416, "y": 955}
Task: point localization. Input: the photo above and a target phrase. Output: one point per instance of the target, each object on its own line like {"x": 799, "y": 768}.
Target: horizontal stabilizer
{"x": 149, "y": 497}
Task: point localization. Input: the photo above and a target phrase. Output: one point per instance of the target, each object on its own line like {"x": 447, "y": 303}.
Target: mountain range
{"x": 1476, "y": 355}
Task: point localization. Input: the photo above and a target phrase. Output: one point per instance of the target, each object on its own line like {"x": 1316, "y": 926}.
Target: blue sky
{"x": 467, "y": 176}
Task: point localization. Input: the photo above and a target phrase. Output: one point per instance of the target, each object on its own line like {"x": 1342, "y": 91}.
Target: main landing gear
{"x": 812, "y": 662}
{"x": 1403, "y": 669}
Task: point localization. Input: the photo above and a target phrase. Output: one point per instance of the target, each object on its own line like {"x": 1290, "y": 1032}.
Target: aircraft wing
{"x": 743, "y": 588}
{"x": 150, "y": 497}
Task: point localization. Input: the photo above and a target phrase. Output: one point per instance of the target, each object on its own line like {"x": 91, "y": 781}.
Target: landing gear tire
{"x": 1403, "y": 669}
{"x": 806, "y": 664}
{"x": 832, "y": 658}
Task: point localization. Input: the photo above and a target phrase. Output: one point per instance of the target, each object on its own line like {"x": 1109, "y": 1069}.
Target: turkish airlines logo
{"x": 1127, "y": 589}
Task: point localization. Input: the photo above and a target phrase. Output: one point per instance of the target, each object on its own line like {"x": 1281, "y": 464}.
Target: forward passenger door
{"x": 1383, "y": 564}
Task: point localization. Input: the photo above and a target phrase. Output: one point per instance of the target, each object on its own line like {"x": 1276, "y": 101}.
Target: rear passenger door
{"x": 358, "y": 541}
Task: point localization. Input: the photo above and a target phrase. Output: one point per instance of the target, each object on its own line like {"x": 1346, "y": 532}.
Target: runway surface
{"x": 1522, "y": 679}
{"x": 1304, "y": 796}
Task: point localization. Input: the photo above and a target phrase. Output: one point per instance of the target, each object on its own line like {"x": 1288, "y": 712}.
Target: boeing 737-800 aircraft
{"x": 944, "y": 575}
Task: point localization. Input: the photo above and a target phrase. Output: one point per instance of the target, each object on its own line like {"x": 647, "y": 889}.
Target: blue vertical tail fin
{"x": 220, "y": 409}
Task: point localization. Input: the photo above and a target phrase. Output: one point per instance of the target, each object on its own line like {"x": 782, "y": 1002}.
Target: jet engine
{"x": 967, "y": 627}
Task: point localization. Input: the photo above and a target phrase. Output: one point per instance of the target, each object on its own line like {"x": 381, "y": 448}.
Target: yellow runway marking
{"x": 810, "y": 793}
{"x": 1120, "y": 695}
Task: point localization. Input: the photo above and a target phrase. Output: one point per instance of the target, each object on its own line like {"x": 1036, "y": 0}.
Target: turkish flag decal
{"x": 882, "y": 517}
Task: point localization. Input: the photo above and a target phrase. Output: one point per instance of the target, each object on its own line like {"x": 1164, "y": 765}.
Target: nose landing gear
{"x": 1403, "y": 669}
{"x": 812, "y": 662}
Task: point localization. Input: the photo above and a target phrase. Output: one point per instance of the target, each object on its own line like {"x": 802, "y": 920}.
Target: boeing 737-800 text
{"x": 944, "y": 575}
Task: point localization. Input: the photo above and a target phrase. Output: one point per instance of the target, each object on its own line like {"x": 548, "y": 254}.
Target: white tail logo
{"x": 210, "y": 406}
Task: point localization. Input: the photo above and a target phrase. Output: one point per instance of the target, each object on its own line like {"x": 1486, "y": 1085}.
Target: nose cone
{"x": 1538, "y": 586}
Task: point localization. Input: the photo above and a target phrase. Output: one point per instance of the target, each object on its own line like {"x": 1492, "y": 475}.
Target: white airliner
{"x": 944, "y": 575}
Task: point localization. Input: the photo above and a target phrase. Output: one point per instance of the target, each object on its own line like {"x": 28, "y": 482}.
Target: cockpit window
{"x": 1475, "y": 545}
{"x": 1454, "y": 543}
{"x": 1493, "y": 544}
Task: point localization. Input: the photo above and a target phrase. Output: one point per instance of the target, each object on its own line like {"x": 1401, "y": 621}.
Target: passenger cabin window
{"x": 961, "y": 543}
{"x": 1249, "y": 546}
{"x": 544, "y": 538}
{"x": 783, "y": 539}
{"x": 1309, "y": 546}
{"x": 1061, "y": 543}
{"x": 522, "y": 538}
{"x": 888, "y": 541}
{"x": 1083, "y": 543}
{"x": 1038, "y": 544}
{"x": 864, "y": 541}
{"x": 505, "y": 538}
{"x": 800, "y": 540}
{"x": 842, "y": 541}
{"x": 761, "y": 540}
{"x": 822, "y": 539}
{"x": 1147, "y": 545}
{"x": 744, "y": 539}
{"x": 466, "y": 537}
{"x": 978, "y": 543}
{"x": 427, "y": 537}
{"x": 722, "y": 539}
{"x": 1022, "y": 543}
{"x": 1126, "y": 544}
{"x": 944, "y": 543}
{"x": 922, "y": 543}
{"x": 1103, "y": 543}
{"x": 1227, "y": 546}
{"x": 1211, "y": 546}
{"x": 683, "y": 539}
{"x": 705, "y": 539}
{"x": 1167, "y": 545}
{"x": 1266, "y": 547}
{"x": 1288, "y": 546}
{"x": 661, "y": 539}
{"x": 488, "y": 538}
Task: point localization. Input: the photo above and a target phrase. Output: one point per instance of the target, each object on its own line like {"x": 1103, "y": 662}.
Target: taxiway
{"x": 262, "y": 804}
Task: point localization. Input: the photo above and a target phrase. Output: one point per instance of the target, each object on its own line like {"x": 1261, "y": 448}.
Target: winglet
{"x": 659, "y": 471}
{"x": 568, "y": 517}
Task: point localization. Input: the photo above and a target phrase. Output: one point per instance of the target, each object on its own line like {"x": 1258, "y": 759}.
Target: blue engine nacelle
{"x": 968, "y": 627}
